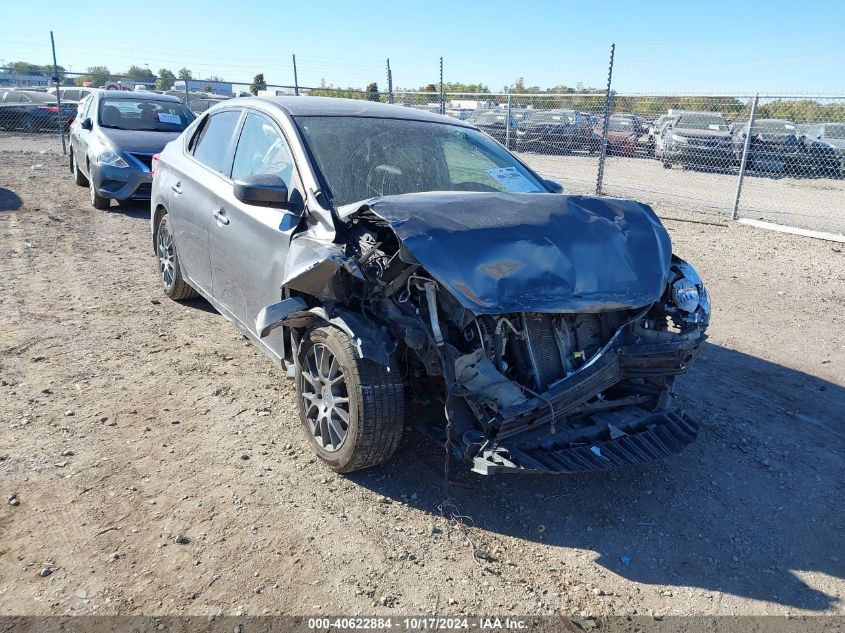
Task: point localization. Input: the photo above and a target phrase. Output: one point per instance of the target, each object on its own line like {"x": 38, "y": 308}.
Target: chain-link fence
{"x": 771, "y": 158}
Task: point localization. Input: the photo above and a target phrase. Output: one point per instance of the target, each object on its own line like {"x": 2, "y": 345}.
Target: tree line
{"x": 578, "y": 97}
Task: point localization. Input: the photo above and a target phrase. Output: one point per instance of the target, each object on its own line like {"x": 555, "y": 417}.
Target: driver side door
{"x": 248, "y": 244}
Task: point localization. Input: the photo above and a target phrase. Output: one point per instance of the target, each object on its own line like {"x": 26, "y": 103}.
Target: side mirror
{"x": 263, "y": 190}
{"x": 556, "y": 187}
{"x": 87, "y": 124}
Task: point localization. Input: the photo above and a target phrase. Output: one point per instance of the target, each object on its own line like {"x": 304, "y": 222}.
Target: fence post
{"x": 442, "y": 96}
{"x": 607, "y": 109}
{"x": 743, "y": 162}
{"x": 508, "y": 125}
{"x": 58, "y": 96}
{"x": 295, "y": 78}
{"x": 389, "y": 83}
{"x": 187, "y": 94}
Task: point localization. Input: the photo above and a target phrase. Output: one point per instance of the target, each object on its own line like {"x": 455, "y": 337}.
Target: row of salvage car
{"x": 688, "y": 138}
{"x": 389, "y": 258}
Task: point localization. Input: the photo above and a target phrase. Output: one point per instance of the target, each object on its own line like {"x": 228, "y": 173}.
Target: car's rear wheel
{"x": 169, "y": 269}
{"x": 78, "y": 177}
{"x": 97, "y": 201}
{"x": 352, "y": 409}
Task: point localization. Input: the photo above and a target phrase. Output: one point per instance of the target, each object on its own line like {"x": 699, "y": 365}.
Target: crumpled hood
{"x": 137, "y": 141}
{"x": 519, "y": 252}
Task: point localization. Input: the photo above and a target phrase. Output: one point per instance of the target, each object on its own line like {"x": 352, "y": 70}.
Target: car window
{"x": 215, "y": 139}
{"x": 144, "y": 114}
{"x": 88, "y": 107}
{"x": 261, "y": 150}
{"x": 466, "y": 164}
{"x": 13, "y": 97}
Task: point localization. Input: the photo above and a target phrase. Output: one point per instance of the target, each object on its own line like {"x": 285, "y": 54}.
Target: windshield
{"x": 144, "y": 115}
{"x": 490, "y": 118}
{"x": 702, "y": 122}
{"x": 363, "y": 157}
{"x": 773, "y": 126}
{"x": 554, "y": 117}
{"x": 834, "y": 131}
{"x": 620, "y": 125}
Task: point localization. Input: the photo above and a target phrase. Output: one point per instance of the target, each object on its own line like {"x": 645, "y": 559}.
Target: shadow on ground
{"x": 755, "y": 502}
{"x": 9, "y": 200}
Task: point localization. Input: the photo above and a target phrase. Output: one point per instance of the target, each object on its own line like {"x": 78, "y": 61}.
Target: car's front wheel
{"x": 97, "y": 201}
{"x": 78, "y": 177}
{"x": 169, "y": 269}
{"x": 352, "y": 409}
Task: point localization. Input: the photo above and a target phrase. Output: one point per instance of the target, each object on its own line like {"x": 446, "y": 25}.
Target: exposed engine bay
{"x": 536, "y": 390}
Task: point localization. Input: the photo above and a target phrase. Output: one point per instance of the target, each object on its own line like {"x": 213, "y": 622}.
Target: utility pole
{"x": 389, "y": 83}
{"x": 607, "y": 109}
{"x": 442, "y": 96}
{"x": 295, "y": 78}
{"x": 58, "y": 96}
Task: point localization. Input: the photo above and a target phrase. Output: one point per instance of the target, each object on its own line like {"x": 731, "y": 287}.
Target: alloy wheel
{"x": 325, "y": 398}
{"x": 166, "y": 255}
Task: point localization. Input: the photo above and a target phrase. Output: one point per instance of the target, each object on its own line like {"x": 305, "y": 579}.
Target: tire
{"x": 78, "y": 177}
{"x": 97, "y": 201}
{"x": 374, "y": 402}
{"x": 169, "y": 269}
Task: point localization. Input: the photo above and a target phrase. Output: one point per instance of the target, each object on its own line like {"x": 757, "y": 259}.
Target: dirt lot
{"x": 128, "y": 420}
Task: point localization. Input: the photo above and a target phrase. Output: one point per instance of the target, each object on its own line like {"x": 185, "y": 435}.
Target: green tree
{"x": 258, "y": 83}
{"x": 372, "y": 92}
{"x": 185, "y": 74}
{"x": 98, "y": 75}
{"x": 165, "y": 79}
{"x": 136, "y": 73}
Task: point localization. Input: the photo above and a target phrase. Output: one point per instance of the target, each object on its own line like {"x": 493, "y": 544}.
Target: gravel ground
{"x": 153, "y": 464}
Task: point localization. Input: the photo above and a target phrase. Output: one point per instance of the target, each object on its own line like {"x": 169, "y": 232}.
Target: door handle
{"x": 177, "y": 188}
{"x": 220, "y": 216}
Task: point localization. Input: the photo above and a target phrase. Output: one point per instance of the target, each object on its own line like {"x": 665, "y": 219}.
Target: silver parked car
{"x": 113, "y": 140}
{"x": 375, "y": 251}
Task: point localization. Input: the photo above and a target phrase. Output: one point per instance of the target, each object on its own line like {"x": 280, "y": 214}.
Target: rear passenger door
{"x": 197, "y": 185}
{"x": 249, "y": 243}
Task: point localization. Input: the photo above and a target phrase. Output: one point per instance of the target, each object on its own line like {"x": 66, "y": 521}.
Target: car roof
{"x": 35, "y": 95}
{"x": 333, "y": 106}
{"x": 136, "y": 94}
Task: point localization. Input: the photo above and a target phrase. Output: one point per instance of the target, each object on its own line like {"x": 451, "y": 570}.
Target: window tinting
{"x": 215, "y": 139}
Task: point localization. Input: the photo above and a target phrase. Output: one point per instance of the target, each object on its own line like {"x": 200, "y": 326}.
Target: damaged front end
{"x": 551, "y": 327}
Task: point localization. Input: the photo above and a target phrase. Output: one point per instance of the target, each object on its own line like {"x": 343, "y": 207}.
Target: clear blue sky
{"x": 744, "y": 46}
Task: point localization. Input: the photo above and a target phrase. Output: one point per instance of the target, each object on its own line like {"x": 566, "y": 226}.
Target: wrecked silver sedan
{"x": 388, "y": 257}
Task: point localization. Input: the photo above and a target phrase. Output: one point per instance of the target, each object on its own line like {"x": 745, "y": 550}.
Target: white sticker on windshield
{"x": 512, "y": 180}
{"x": 713, "y": 127}
{"x": 166, "y": 117}
{"x": 789, "y": 127}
